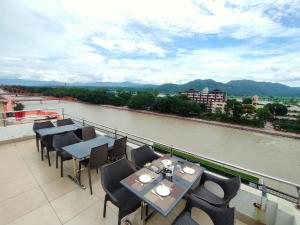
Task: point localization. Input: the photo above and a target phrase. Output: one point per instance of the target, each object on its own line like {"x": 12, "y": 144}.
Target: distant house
{"x": 209, "y": 98}
{"x": 255, "y": 99}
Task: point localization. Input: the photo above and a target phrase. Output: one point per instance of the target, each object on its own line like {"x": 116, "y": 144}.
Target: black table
{"x": 58, "y": 130}
{"x": 181, "y": 186}
{"x": 82, "y": 150}
{"x": 50, "y": 132}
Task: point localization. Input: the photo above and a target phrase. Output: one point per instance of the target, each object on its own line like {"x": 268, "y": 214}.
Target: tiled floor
{"x": 33, "y": 193}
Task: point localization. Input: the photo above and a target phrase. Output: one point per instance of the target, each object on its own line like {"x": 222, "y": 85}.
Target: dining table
{"x": 184, "y": 176}
{"x": 82, "y": 150}
{"x": 50, "y": 132}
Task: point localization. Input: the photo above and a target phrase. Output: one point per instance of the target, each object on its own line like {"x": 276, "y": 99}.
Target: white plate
{"x": 163, "y": 190}
{"x": 188, "y": 170}
{"x": 166, "y": 162}
{"x": 145, "y": 178}
{"x": 154, "y": 168}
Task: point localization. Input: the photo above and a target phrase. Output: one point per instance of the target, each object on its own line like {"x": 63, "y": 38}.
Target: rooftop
{"x": 31, "y": 192}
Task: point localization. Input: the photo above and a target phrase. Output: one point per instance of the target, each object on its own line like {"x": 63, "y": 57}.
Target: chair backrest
{"x": 88, "y": 133}
{"x": 99, "y": 156}
{"x": 142, "y": 155}
{"x": 113, "y": 173}
{"x": 231, "y": 187}
{"x": 42, "y": 125}
{"x": 64, "y": 122}
{"x": 219, "y": 216}
{"x": 62, "y": 140}
{"x": 119, "y": 148}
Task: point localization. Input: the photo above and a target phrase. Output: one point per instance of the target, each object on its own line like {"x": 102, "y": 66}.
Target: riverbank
{"x": 215, "y": 123}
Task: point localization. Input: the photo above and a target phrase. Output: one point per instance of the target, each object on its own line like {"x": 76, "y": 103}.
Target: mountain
{"x": 22, "y": 82}
{"x": 235, "y": 87}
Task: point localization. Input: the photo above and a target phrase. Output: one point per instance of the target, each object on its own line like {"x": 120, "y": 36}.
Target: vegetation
{"x": 209, "y": 165}
{"x": 247, "y": 100}
{"x": 143, "y": 100}
{"x": 236, "y": 112}
{"x": 288, "y": 125}
{"x": 180, "y": 105}
{"x": 19, "y": 107}
{"x": 277, "y": 109}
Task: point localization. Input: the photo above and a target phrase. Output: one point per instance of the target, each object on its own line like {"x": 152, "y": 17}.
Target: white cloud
{"x": 137, "y": 40}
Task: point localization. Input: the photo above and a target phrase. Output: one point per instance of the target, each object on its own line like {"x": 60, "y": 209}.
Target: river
{"x": 272, "y": 155}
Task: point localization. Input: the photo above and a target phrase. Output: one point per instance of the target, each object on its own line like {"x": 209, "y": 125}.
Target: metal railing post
{"x": 116, "y": 135}
{"x": 298, "y": 203}
{"x": 83, "y": 122}
{"x": 63, "y": 112}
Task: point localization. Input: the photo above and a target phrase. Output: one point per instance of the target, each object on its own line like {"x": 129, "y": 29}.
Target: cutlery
{"x": 153, "y": 192}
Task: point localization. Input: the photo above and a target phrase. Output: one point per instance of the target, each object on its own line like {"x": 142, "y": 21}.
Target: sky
{"x": 154, "y": 41}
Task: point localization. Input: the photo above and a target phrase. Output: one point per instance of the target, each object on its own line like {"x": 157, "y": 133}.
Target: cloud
{"x": 150, "y": 41}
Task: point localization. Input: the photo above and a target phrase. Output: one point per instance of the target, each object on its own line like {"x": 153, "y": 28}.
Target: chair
{"x": 111, "y": 175}
{"x": 40, "y": 125}
{"x": 98, "y": 157}
{"x": 219, "y": 216}
{"x": 143, "y": 155}
{"x": 60, "y": 141}
{"x": 229, "y": 186}
{"x": 119, "y": 149}
{"x": 88, "y": 133}
{"x": 64, "y": 122}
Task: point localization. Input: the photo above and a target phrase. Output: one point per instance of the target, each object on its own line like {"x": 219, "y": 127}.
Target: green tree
{"x": 247, "y": 101}
{"x": 142, "y": 100}
{"x": 248, "y": 110}
{"x": 277, "y": 109}
{"x": 263, "y": 114}
{"x": 234, "y": 108}
{"x": 19, "y": 107}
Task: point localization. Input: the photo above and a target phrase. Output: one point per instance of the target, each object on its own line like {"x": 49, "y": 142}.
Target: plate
{"x": 145, "y": 178}
{"x": 163, "y": 190}
{"x": 166, "y": 162}
{"x": 188, "y": 170}
{"x": 154, "y": 168}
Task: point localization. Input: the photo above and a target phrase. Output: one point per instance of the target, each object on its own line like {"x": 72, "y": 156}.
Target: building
{"x": 207, "y": 97}
{"x": 255, "y": 99}
{"x": 218, "y": 107}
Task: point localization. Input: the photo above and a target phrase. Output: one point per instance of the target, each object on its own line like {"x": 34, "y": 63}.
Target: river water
{"x": 272, "y": 155}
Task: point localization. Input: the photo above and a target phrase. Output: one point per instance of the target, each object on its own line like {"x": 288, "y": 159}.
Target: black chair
{"x": 230, "y": 188}
{"x": 219, "y": 216}
{"x": 111, "y": 175}
{"x": 60, "y": 141}
{"x": 64, "y": 122}
{"x": 40, "y": 125}
{"x": 119, "y": 149}
{"x": 142, "y": 155}
{"x": 98, "y": 157}
{"x": 88, "y": 133}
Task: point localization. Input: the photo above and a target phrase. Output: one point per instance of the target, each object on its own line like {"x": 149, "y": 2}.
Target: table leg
{"x": 143, "y": 211}
{"x": 75, "y": 177}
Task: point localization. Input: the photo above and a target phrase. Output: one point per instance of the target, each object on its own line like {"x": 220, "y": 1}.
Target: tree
{"x": 142, "y": 100}
{"x": 235, "y": 108}
{"x": 19, "y": 107}
{"x": 247, "y": 101}
{"x": 264, "y": 114}
{"x": 277, "y": 109}
{"x": 248, "y": 110}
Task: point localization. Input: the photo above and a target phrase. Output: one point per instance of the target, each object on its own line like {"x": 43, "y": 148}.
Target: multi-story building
{"x": 207, "y": 97}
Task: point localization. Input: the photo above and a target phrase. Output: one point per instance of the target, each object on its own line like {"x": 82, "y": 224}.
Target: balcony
{"x": 31, "y": 192}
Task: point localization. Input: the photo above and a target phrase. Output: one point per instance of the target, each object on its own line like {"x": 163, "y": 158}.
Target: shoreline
{"x": 209, "y": 122}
